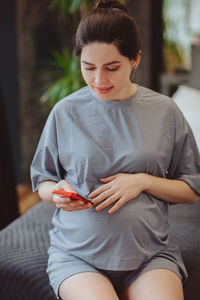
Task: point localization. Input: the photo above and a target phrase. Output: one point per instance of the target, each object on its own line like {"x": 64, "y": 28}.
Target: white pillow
{"x": 188, "y": 100}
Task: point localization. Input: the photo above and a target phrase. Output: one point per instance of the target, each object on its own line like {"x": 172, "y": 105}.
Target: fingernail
{"x": 98, "y": 208}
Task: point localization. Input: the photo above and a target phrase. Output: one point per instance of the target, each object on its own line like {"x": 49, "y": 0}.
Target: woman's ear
{"x": 135, "y": 62}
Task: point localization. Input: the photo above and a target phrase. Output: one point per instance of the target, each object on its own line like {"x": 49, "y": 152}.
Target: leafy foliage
{"x": 69, "y": 77}
{"x": 173, "y": 50}
{"x": 71, "y": 6}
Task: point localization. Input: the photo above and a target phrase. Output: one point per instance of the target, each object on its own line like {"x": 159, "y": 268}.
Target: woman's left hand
{"x": 118, "y": 189}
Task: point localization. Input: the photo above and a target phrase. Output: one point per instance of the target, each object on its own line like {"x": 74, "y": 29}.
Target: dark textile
{"x": 24, "y": 243}
{"x": 23, "y": 256}
{"x": 8, "y": 203}
{"x": 185, "y": 231}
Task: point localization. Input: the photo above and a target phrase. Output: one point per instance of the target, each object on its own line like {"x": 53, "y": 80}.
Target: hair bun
{"x": 110, "y": 4}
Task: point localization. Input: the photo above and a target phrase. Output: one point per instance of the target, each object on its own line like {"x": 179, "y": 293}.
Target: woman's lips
{"x": 104, "y": 90}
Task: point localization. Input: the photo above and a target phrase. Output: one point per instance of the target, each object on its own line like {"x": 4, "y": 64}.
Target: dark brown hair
{"x": 108, "y": 22}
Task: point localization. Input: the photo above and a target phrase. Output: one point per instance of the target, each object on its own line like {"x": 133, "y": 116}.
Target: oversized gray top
{"x": 85, "y": 139}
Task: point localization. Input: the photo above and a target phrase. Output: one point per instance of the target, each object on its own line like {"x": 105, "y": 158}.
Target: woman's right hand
{"x": 66, "y": 203}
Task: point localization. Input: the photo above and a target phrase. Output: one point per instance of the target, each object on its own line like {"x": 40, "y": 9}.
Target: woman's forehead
{"x": 101, "y": 53}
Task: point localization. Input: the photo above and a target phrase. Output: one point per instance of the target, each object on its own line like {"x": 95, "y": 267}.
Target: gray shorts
{"x": 62, "y": 265}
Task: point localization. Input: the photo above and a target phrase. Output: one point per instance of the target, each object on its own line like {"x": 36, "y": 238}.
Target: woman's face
{"x": 106, "y": 71}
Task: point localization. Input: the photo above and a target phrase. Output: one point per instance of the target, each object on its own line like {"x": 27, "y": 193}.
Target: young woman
{"x": 131, "y": 152}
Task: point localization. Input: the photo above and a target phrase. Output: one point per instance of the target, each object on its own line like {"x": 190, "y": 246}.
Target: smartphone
{"x": 71, "y": 195}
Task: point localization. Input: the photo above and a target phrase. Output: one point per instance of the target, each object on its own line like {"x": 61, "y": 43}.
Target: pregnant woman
{"x": 131, "y": 152}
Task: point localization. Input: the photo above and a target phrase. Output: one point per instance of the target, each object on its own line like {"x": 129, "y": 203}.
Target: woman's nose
{"x": 100, "y": 78}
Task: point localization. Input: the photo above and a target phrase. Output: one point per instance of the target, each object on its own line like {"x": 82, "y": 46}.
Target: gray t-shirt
{"x": 85, "y": 139}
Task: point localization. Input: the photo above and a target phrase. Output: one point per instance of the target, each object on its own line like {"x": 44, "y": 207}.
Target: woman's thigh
{"x": 158, "y": 284}
{"x": 87, "y": 286}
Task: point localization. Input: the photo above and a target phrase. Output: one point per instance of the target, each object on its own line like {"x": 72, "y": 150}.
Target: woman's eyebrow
{"x": 107, "y": 64}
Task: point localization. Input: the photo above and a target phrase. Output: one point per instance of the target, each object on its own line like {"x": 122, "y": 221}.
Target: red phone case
{"x": 71, "y": 195}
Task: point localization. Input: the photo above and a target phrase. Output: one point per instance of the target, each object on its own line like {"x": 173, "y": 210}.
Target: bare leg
{"x": 87, "y": 286}
{"x": 159, "y": 284}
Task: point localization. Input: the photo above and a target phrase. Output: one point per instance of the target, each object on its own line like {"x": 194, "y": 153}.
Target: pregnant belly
{"x": 136, "y": 230}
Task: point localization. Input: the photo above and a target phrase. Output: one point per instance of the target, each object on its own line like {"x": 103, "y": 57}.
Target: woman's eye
{"x": 107, "y": 69}
{"x": 89, "y": 69}
{"x": 113, "y": 69}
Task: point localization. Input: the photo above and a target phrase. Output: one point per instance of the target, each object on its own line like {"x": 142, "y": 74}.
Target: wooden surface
{"x": 26, "y": 198}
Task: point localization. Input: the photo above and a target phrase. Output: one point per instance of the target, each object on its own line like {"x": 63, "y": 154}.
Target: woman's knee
{"x": 87, "y": 286}
{"x": 159, "y": 284}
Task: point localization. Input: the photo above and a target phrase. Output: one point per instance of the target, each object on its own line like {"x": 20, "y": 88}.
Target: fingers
{"x": 108, "y": 179}
{"x": 119, "y": 202}
{"x": 65, "y": 203}
{"x": 101, "y": 196}
{"x": 64, "y": 185}
{"x": 107, "y": 202}
{"x": 107, "y": 185}
{"x": 73, "y": 206}
{"x": 117, "y": 205}
{"x": 106, "y": 194}
{"x": 99, "y": 191}
{"x": 69, "y": 204}
{"x": 107, "y": 198}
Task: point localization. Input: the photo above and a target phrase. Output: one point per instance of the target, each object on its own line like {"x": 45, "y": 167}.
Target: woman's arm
{"x": 170, "y": 190}
{"x": 45, "y": 191}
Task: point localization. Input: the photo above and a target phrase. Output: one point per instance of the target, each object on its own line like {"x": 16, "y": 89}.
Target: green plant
{"x": 172, "y": 47}
{"x": 69, "y": 77}
{"x": 71, "y": 6}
